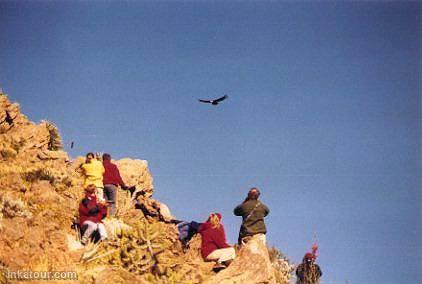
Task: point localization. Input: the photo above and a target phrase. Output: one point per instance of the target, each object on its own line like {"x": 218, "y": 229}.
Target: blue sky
{"x": 323, "y": 113}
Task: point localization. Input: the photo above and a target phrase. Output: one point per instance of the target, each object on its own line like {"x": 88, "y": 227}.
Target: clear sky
{"x": 323, "y": 114}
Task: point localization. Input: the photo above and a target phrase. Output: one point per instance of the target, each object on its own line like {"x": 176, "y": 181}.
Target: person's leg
{"x": 91, "y": 227}
{"x": 102, "y": 230}
{"x": 106, "y": 193}
{"x": 100, "y": 194}
{"x": 222, "y": 255}
{"x": 262, "y": 238}
{"x": 110, "y": 192}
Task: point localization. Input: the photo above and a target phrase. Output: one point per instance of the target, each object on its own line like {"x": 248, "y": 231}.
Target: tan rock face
{"x": 252, "y": 265}
{"x": 136, "y": 172}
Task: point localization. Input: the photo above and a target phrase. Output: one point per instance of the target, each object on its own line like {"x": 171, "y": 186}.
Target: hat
{"x": 309, "y": 255}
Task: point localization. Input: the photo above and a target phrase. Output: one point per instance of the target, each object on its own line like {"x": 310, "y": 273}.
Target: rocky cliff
{"x": 40, "y": 189}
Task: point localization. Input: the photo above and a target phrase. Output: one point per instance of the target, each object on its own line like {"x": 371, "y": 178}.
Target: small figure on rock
{"x": 8, "y": 118}
{"x": 308, "y": 272}
{"x": 214, "y": 245}
{"x": 111, "y": 180}
{"x": 93, "y": 171}
{"x": 253, "y": 212}
{"x": 91, "y": 213}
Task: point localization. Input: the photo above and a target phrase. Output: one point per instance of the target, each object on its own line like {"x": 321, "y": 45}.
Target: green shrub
{"x": 17, "y": 145}
{"x": 39, "y": 174}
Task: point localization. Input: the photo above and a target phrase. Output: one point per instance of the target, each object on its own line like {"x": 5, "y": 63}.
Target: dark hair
{"x": 253, "y": 193}
{"x": 90, "y": 154}
{"x": 106, "y": 156}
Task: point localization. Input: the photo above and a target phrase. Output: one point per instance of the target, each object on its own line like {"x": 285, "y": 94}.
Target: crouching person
{"x": 91, "y": 212}
{"x": 214, "y": 245}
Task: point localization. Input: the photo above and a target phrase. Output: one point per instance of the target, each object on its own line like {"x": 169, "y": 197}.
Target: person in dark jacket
{"x": 253, "y": 212}
{"x": 308, "y": 272}
{"x": 214, "y": 245}
{"x": 111, "y": 179}
{"x": 91, "y": 214}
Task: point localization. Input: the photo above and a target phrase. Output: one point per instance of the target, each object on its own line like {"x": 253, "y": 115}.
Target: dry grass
{"x": 13, "y": 207}
{"x": 7, "y": 154}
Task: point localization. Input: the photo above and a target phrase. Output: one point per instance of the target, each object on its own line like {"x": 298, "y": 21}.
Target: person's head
{"x": 98, "y": 156}
{"x": 90, "y": 189}
{"x": 215, "y": 220}
{"x": 308, "y": 258}
{"x": 106, "y": 157}
{"x": 253, "y": 194}
{"x": 89, "y": 157}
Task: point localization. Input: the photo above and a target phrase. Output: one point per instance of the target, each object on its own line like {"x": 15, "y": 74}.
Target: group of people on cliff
{"x": 102, "y": 179}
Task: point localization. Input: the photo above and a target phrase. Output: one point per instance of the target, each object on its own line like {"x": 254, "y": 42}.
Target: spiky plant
{"x": 13, "y": 207}
{"x": 54, "y": 139}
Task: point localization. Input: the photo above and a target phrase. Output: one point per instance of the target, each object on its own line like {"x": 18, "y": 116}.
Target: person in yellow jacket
{"x": 93, "y": 171}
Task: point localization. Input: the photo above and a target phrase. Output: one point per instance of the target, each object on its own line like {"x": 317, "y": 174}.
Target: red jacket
{"x": 88, "y": 212}
{"x": 111, "y": 174}
{"x": 212, "y": 238}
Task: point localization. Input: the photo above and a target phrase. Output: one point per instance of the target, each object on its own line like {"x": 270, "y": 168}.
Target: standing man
{"x": 93, "y": 171}
{"x": 253, "y": 212}
{"x": 111, "y": 180}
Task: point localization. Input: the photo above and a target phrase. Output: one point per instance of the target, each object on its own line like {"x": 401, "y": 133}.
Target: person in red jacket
{"x": 91, "y": 214}
{"x": 214, "y": 245}
{"x": 111, "y": 179}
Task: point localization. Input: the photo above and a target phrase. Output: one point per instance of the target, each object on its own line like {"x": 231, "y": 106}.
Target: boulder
{"x": 135, "y": 172}
{"x": 53, "y": 155}
{"x": 252, "y": 265}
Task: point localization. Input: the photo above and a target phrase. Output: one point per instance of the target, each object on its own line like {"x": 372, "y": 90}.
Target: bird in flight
{"x": 214, "y": 102}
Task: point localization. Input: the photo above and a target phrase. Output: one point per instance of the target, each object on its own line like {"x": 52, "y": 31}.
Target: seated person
{"x": 214, "y": 245}
{"x": 91, "y": 212}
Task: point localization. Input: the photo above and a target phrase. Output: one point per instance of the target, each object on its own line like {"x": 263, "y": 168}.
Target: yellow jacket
{"x": 93, "y": 173}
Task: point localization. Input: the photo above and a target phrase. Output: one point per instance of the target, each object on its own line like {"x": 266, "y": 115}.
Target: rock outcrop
{"x": 40, "y": 189}
{"x": 252, "y": 265}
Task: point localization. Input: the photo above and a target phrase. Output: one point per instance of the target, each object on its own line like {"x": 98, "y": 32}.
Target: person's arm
{"x": 238, "y": 211}
{"x": 201, "y": 227}
{"x": 318, "y": 270}
{"x": 220, "y": 238}
{"x": 119, "y": 177}
{"x": 299, "y": 272}
{"x": 83, "y": 209}
{"x": 266, "y": 210}
{"x": 80, "y": 169}
{"x": 103, "y": 210}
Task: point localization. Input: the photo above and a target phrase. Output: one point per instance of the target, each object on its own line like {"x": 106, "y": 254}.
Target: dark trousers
{"x": 110, "y": 191}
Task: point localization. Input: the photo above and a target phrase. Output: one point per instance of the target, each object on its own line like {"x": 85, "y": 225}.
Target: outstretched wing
{"x": 205, "y": 101}
{"x": 221, "y": 99}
